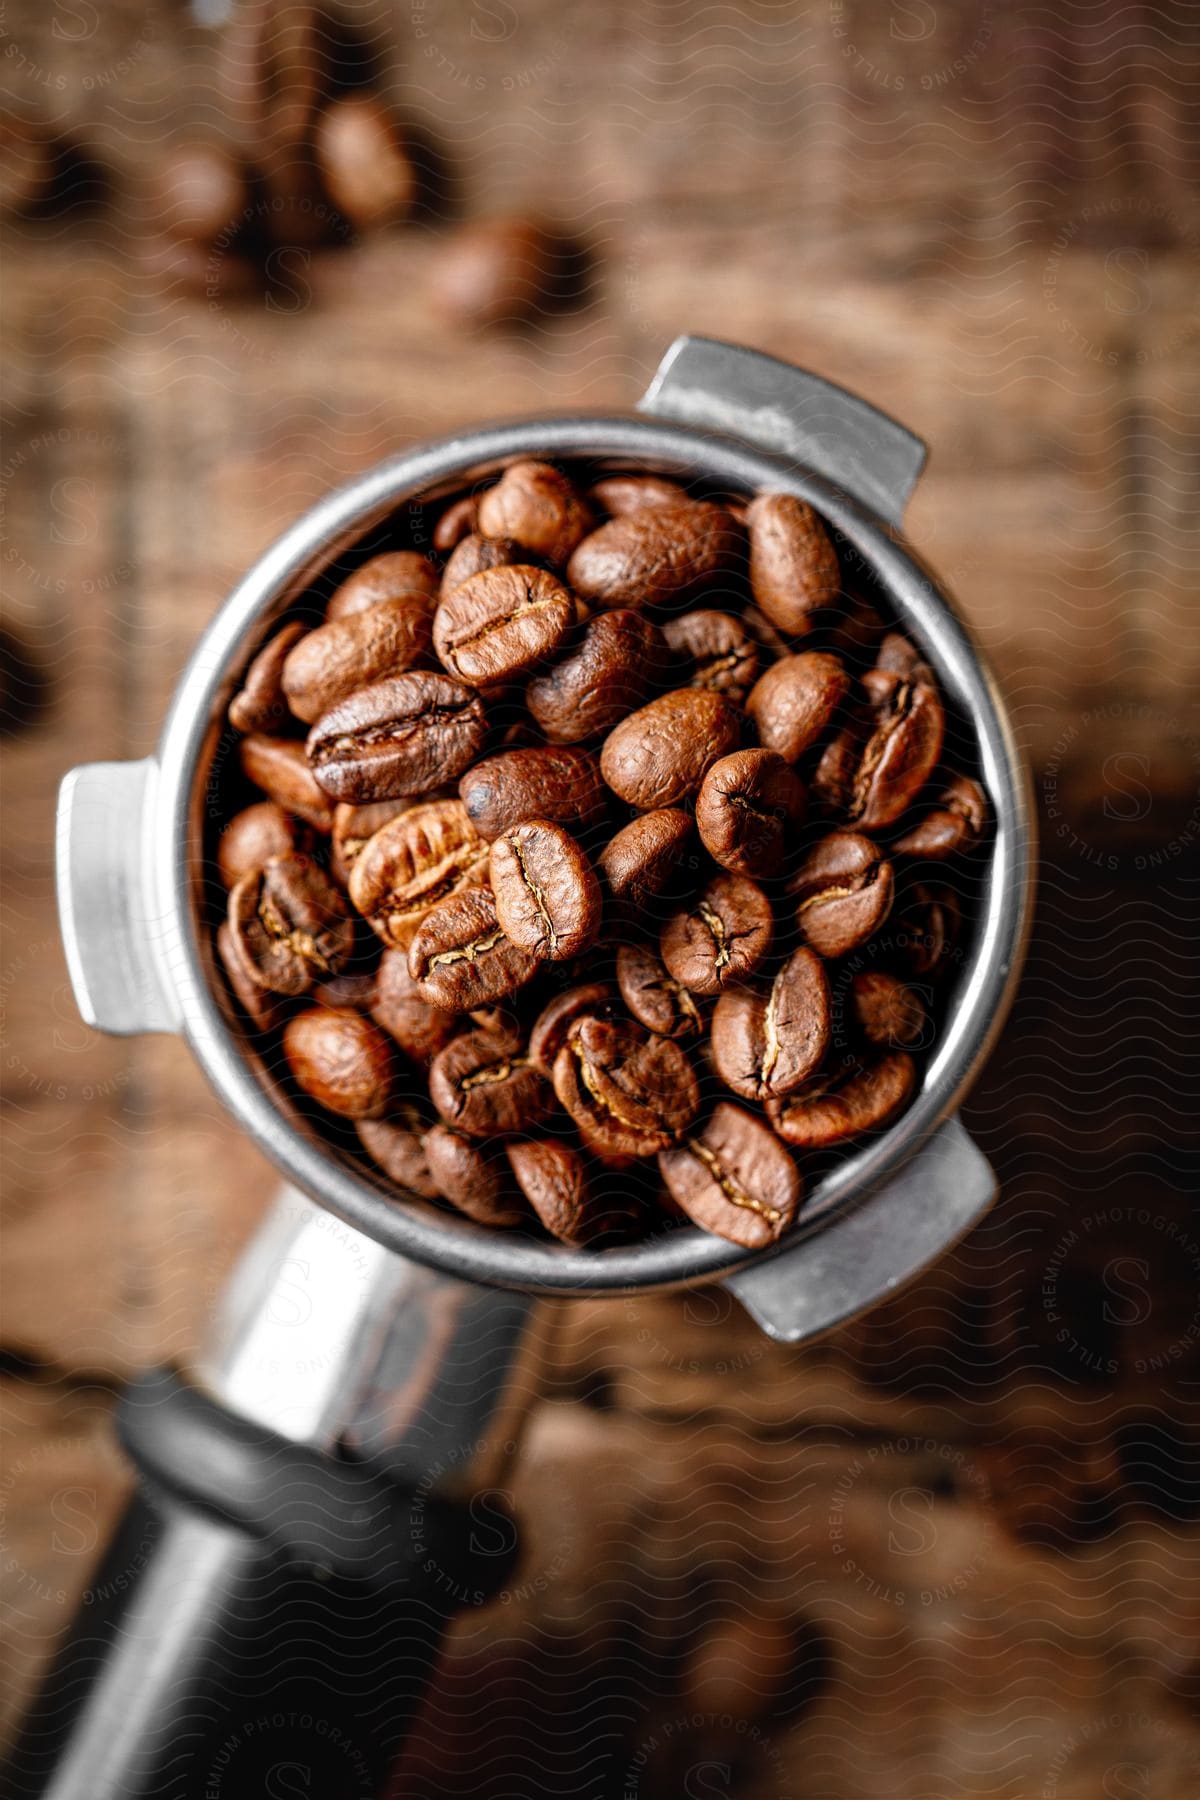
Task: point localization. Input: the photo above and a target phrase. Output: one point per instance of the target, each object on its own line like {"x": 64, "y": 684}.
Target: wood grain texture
{"x": 976, "y": 1512}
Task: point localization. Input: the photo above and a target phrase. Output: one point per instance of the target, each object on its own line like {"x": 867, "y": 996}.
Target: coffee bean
{"x": 456, "y": 522}
{"x": 562, "y": 785}
{"x": 355, "y": 989}
{"x": 264, "y": 1009}
{"x": 654, "y": 997}
{"x": 461, "y": 958}
{"x": 424, "y": 855}
{"x": 501, "y": 623}
{"x": 363, "y": 161}
{"x": 954, "y": 823}
{"x": 398, "y": 737}
{"x": 290, "y": 924}
{"x": 332, "y": 662}
{"x": 396, "y": 575}
{"x": 280, "y": 768}
{"x": 856, "y": 630}
{"x": 554, "y": 1179}
{"x": 642, "y": 862}
{"x": 793, "y": 565}
{"x": 475, "y": 1179}
{"x": 341, "y": 1059}
{"x": 419, "y": 1029}
{"x": 620, "y": 495}
{"x": 547, "y": 898}
{"x": 721, "y": 938}
{"x": 766, "y": 1044}
{"x": 793, "y": 703}
{"x": 832, "y": 781}
{"x": 656, "y": 556}
{"x": 718, "y": 651}
{"x": 857, "y": 1099}
{"x": 748, "y": 811}
{"x": 485, "y": 1086}
{"x": 902, "y": 750}
{"x": 888, "y": 1013}
{"x": 591, "y": 689}
{"x": 197, "y": 192}
{"x": 501, "y": 271}
{"x": 843, "y": 890}
{"x": 256, "y": 834}
{"x": 550, "y": 1029}
{"x": 396, "y": 1144}
{"x": 629, "y": 1092}
{"x": 353, "y": 829}
{"x": 474, "y": 555}
{"x": 927, "y": 928}
{"x": 661, "y": 753}
{"x": 538, "y": 506}
{"x": 734, "y": 1178}
{"x": 262, "y": 704}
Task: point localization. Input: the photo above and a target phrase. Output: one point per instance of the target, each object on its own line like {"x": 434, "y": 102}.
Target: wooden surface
{"x": 978, "y": 1511}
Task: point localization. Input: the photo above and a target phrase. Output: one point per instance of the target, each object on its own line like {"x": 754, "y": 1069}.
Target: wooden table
{"x": 976, "y": 1510}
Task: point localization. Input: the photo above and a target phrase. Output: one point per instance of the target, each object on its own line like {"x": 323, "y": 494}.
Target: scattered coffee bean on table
{"x": 596, "y": 855}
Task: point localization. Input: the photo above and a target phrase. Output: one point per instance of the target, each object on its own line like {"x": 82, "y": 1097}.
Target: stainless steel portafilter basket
{"x": 131, "y": 836}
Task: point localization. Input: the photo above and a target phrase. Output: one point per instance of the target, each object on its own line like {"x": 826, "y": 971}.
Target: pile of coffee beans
{"x": 587, "y": 868}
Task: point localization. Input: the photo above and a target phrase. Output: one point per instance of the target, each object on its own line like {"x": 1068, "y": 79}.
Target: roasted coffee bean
{"x": 461, "y": 958}
{"x": 843, "y": 890}
{"x": 857, "y": 1099}
{"x": 554, "y": 1179}
{"x": 656, "y": 556}
{"x": 341, "y": 1059}
{"x": 262, "y": 703}
{"x": 280, "y": 768}
{"x": 363, "y": 161}
{"x": 887, "y": 1012}
{"x": 456, "y": 522}
{"x": 396, "y": 575}
{"x": 719, "y": 652}
{"x": 661, "y": 753}
{"x": 766, "y": 1044}
{"x": 256, "y": 834}
{"x": 424, "y": 855}
{"x": 473, "y": 555}
{"x": 332, "y": 662}
{"x": 618, "y": 659}
{"x": 264, "y": 1009}
{"x": 353, "y": 829}
{"x": 748, "y": 810}
{"x": 629, "y": 1092}
{"x": 398, "y": 737}
{"x": 832, "y": 781}
{"x": 501, "y": 623}
{"x": 476, "y": 1180}
{"x": 552, "y": 1024}
{"x": 927, "y": 928}
{"x": 396, "y": 1144}
{"x": 547, "y": 897}
{"x": 721, "y": 938}
{"x": 793, "y": 564}
{"x": 734, "y": 1178}
{"x": 291, "y": 924}
{"x": 620, "y": 495}
{"x": 902, "y": 750}
{"x": 898, "y": 655}
{"x": 501, "y": 271}
{"x": 562, "y": 785}
{"x": 654, "y": 997}
{"x": 642, "y": 862}
{"x": 537, "y": 505}
{"x": 793, "y": 703}
{"x": 355, "y": 988}
{"x": 857, "y": 629}
{"x": 197, "y": 193}
{"x": 485, "y": 1086}
{"x": 419, "y": 1029}
{"x": 955, "y": 822}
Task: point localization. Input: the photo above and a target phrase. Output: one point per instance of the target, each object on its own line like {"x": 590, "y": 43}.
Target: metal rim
{"x": 460, "y": 1247}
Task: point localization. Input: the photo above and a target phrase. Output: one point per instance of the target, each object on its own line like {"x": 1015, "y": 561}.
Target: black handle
{"x": 278, "y": 1649}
